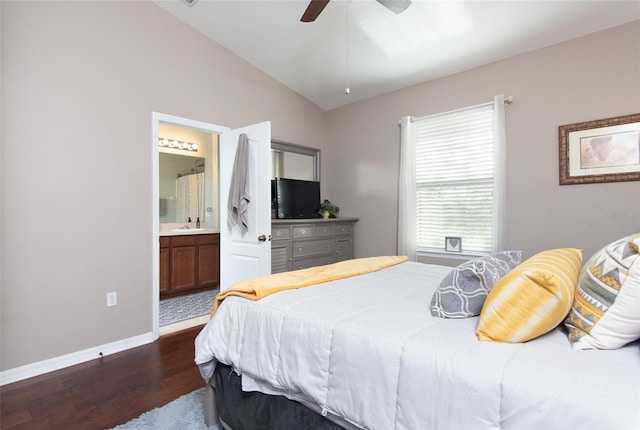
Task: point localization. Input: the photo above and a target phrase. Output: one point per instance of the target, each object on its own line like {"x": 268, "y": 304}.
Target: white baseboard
{"x": 41, "y": 367}
{"x": 183, "y": 325}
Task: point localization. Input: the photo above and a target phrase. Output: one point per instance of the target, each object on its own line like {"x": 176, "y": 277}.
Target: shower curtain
{"x": 190, "y": 197}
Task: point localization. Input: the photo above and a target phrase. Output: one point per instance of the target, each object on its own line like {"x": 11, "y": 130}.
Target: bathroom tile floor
{"x": 176, "y": 309}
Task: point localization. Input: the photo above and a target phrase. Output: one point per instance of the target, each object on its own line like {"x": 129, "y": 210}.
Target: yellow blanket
{"x": 257, "y": 288}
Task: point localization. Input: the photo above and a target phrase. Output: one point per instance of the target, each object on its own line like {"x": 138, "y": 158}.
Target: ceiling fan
{"x": 317, "y": 6}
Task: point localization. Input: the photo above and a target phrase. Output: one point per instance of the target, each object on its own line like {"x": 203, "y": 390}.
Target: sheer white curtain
{"x": 407, "y": 191}
{"x": 407, "y": 244}
{"x": 500, "y": 239}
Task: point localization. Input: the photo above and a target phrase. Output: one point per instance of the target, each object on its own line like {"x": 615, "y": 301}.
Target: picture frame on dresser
{"x": 605, "y": 150}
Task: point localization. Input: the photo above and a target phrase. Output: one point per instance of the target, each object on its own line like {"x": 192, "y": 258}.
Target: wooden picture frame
{"x": 605, "y": 150}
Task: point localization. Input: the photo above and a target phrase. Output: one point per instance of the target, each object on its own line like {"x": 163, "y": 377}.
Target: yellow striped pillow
{"x": 531, "y": 299}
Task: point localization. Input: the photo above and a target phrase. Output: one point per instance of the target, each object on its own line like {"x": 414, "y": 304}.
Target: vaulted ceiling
{"x": 363, "y": 46}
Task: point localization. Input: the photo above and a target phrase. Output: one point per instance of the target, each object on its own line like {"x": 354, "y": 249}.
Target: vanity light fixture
{"x": 174, "y": 144}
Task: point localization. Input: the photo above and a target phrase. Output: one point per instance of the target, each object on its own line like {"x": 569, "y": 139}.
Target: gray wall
{"x": 593, "y": 77}
{"x": 80, "y": 83}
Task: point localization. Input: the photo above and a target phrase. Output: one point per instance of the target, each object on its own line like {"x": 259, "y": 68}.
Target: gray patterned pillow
{"x": 462, "y": 292}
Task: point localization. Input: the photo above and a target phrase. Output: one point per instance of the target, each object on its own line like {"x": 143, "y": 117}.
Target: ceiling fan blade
{"x": 395, "y": 6}
{"x": 313, "y": 10}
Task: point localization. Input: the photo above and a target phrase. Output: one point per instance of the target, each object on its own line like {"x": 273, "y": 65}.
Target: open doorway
{"x": 244, "y": 252}
{"x": 188, "y": 175}
{"x": 187, "y": 202}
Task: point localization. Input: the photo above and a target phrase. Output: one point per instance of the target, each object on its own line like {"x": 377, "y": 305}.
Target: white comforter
{"x": 367, "y": 349}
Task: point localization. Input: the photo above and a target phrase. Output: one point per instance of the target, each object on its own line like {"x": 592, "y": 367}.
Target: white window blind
{"x": 455, "y": 179}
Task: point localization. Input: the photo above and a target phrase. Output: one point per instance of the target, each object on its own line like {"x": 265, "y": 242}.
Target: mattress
{"x": 367, "y": 349}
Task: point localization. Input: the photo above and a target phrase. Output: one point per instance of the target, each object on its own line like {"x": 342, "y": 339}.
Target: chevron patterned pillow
{"x": 606, "y": 308}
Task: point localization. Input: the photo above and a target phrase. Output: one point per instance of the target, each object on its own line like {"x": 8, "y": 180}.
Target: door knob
{"x": 262, "y": 238}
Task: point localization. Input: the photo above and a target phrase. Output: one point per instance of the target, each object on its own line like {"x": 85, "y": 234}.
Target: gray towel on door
{"x": 239, "y": 196}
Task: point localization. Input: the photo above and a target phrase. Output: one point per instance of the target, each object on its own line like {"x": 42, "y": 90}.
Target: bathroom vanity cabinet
{"x": 302, "y": 243}
{"x": 189, "y": 263}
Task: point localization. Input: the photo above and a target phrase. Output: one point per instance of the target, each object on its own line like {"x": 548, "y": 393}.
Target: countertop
{"x": 312, "y": 220}
{"x": 182, "y": 232}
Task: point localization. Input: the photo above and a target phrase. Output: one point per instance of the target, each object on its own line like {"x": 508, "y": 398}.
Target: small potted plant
{"x": 328, "y": 209}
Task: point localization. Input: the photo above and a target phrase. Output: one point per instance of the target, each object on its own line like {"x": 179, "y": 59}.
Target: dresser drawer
{"x": 305, "y": 248}
{"x": 324, "y": 230}
{"x": 344, "y": 248}
{"x": 303, "y": 231}
{"x": 280, "y": 257}
{"x": 280, "y": 233}
{"x": 343, "y": 228}
{"x": 312, "y": 262}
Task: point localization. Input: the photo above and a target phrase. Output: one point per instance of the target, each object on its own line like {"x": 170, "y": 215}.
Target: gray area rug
{"x": 184, "y": 413}
{"x": 182, "y": 308}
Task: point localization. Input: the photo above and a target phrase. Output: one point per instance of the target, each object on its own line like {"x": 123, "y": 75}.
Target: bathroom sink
{"x": 187, "y": 230}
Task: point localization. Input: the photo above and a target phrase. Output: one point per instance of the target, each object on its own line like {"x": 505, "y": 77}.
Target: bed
{"x": 365, "y": 351}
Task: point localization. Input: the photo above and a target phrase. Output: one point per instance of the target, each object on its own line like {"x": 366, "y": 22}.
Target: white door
{"x": 249, "y": 255}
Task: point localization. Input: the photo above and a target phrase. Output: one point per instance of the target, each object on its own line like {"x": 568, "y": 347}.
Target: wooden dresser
{"x": 301, "y": 243}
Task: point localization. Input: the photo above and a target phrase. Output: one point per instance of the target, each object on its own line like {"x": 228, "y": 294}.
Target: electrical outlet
{"x": 112, "y": 299}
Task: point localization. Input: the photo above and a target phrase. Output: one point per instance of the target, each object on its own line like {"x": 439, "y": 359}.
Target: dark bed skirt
{"x": 253, "y": 410}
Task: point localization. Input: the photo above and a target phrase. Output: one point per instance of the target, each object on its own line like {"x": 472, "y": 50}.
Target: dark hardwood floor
{"x": 105, "y": 392}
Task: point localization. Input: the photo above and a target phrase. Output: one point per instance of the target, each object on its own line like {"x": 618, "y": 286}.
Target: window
{"x": 456, "y": 179}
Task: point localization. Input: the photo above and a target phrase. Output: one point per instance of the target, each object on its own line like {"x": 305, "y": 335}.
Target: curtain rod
{"x": 507, "y": 101}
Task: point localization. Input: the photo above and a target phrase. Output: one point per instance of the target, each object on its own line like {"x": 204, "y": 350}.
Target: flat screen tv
{"x": 295, "y": 198}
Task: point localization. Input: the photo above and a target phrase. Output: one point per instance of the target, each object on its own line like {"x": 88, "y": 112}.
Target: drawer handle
{"x": 303, "y": 231}
{"x": 278, "y": 233}
{"x": 299, "y": 248}
{"x": 327, "y": 245}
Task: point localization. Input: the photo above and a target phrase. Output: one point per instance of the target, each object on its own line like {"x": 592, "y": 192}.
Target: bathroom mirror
{"x": 188, "y": 178}
{"x": 182, "y": 188}
{"x": 294, "y": 161}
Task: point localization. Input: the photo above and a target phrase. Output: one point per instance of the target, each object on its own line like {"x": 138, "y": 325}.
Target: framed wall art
{"x": 605, "y": 150}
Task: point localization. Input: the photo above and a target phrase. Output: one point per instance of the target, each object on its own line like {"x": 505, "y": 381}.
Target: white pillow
{"x": 606, "y": 309}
